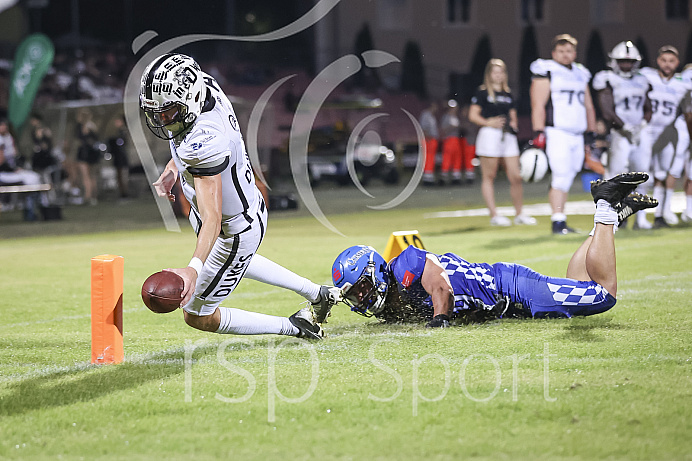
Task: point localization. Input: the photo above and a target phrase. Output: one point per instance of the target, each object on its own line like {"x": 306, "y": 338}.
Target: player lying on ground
{"x": 186, "y": 107}
{"x": 419, "y": 285}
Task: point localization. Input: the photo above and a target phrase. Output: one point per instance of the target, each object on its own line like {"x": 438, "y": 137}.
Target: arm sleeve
{"x": 600, "y": 80}
{"x": 539, "y": 69}
{"x": 408, "y": 266}
{"x": 206, "y": 154}
{"x": 477, "y": 97}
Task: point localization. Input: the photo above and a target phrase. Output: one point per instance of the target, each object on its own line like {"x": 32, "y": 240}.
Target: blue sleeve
{"x": 408, "y": 266}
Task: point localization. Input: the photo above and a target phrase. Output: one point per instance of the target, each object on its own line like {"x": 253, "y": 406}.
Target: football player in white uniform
{"x": 186, "y": 106}
{"x": 660, "y": 137}
{"x": 623, "y": 98}
{"x": 563, "y": 118}
{"x": 686, "y": 155}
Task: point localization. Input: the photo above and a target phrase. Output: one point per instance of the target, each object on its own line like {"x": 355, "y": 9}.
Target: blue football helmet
{"x": 361, "y": 273}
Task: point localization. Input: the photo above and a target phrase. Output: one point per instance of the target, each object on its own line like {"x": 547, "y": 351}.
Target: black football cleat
{"x": 660, "y": 223}
{"x": 615, "y": 189}
{"x": 304, "y": 321}
{"x": 329, "y": 296}
{"x": 633, "y": 203}
{"x": 561, "y": 228}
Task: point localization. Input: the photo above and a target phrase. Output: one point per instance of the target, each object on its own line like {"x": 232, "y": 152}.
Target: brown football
{"x": 162, "y": 292}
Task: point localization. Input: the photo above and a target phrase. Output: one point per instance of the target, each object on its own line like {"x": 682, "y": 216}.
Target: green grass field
{"x": 612, "y": 386}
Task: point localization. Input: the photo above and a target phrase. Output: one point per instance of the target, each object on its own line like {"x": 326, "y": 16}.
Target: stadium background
{"x": 621, "y": 380}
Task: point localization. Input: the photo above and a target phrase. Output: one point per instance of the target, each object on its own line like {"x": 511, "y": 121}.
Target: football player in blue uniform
{"x": 186, "y": 106}
{"x": 419, "y": 285}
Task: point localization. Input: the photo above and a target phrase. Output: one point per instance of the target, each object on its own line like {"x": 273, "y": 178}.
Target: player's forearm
{"x": 208, "y": 234}
{"x": 538, "y": 118}
{"x": 170, "y": 166}
{"x": 443, "y": 300}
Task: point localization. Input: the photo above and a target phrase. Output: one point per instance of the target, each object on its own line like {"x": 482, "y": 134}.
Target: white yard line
{"x": 543, "y": 209}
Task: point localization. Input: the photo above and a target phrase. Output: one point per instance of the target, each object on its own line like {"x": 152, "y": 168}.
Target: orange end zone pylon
{"x": 107, "y": 309}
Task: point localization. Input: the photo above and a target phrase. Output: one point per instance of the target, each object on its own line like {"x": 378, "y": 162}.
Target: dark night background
{"x": 112, "y": 23}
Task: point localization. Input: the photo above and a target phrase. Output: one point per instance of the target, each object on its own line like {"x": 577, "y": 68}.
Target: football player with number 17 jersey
{"x": 623, "y": 98}
{"x": 186, "y": 106}
{"x": 563, "y": 117}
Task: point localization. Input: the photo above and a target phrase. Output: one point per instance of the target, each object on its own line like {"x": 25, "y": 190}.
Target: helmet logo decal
{"x": 408, "y": 279}
{"x": 353, "y": 260}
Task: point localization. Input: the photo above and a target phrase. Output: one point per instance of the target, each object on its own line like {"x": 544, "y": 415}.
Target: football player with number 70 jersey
{"x": 659, "y": 138}
{"x": 563, "y": 116}
{"x": 623, "y": 98}
{"x": 186, "y": 106}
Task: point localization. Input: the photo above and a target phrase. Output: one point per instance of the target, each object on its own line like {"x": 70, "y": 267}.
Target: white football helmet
{"x": 625, "y": 51}
{"x": 172, "y": 94}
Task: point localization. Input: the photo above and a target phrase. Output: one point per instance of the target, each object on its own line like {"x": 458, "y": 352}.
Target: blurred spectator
{"x": 12, "y": 174}
{"x": 428, "y": 122}
{"x": 42, "y": 138}
{"x": 88, "y": 155}
{"x": 117, "y": 148}
{"x": 451, "y": 144}
{"x": 493, "y": 109}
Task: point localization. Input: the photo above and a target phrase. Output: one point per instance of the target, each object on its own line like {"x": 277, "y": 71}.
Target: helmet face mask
{"x": 172, "y": 95}
{"x": 168, "y": 122}
{"x": 625, "y": 52}
{"x": 361, "y": 274}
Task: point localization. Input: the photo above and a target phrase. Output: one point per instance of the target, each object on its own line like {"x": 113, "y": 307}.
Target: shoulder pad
{"x": 601, "y": 80}
{"x": 204, "y": 151}
{"x": 540, "y": 67}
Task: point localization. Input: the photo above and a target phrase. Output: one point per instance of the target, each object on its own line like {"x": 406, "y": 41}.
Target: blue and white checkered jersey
{"x": 473, "y": 283}
{"x": 478, "y": 285}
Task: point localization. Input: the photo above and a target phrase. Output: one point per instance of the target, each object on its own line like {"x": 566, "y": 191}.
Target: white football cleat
{"x": 525, "y": 220}
{"x": 502, "y": 221}
{"x": 671, "y": 218}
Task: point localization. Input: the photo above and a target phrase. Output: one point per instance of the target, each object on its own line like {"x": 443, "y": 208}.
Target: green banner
{"x": 31, "y": 62}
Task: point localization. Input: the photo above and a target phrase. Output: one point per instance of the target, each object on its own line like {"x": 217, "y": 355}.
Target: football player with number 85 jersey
{"x": 659, "y": 139}
{"x": 185, "y": 106}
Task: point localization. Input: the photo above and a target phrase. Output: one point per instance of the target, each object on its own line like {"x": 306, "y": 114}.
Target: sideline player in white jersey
{"x": 563, "y": 118}
{"x": 186, "y": 106}
{"x": 660, "y": 137}
{"x": 623, "y": 98}
{"x": 685, "y": 153}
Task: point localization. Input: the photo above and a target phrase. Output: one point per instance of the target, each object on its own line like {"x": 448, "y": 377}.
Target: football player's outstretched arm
{"x": 166, "y": 181}
{"x": 436, "y": 282}
{"x": 209, "y": 195}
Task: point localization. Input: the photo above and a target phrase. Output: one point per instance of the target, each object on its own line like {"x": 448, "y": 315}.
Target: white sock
{"x": 688, "y": 210}
{"x": 605, "y": 214}
{"x": 558, "y": 217}
{"x": 668, "y": 203}
{"x": 239, "y": 322}
{"x": 659, "y": 194}
{"x": 266, "y": 271}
